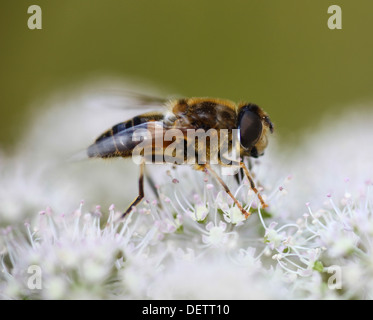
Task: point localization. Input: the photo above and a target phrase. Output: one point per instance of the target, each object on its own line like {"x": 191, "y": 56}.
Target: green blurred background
{"x": 277, "y": 53}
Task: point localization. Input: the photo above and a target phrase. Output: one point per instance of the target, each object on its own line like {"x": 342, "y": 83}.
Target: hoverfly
{"x": 251, "y": 122}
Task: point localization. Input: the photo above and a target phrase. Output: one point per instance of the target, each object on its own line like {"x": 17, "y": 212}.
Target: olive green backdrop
{"x": 277, "y": 53}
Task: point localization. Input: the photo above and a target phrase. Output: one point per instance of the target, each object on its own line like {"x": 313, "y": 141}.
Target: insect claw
{"x": 246, "y": 214}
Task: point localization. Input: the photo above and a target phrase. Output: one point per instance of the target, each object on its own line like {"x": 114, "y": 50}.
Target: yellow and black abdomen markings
{"x": 117, "y": 141}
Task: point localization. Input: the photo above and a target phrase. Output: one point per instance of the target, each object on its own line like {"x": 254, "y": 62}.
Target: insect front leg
{"x": 244, "y": 212}
{"x": 141, "y": 191}
{"x": 252, "y": 184}
{"x": 243, "y": 168}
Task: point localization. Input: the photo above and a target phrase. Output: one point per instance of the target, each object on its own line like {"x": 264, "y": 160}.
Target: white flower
{"x": 234, "y": 215}
{"x": 274, "y": 238}
{"x": 77, "y": 257}
{"x": 199, "y": 213}
{"x": 216, "y": 235}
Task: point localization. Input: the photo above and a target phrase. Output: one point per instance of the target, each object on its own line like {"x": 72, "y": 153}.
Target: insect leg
{"x": 239, "y": 176}
{"x": 151, "y": 182}
{"x": 141, "y": 190}
{"x": 252, "y": 185}
{"x": 244, "y": 212}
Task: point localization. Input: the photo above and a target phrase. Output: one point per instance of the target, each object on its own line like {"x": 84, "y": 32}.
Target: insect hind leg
{"x": 151, "y": 182}
{"x": 141, "y": 191}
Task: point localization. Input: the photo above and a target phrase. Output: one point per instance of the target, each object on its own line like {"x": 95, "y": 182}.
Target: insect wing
{"x": 121, "y": 143}
{"x": 128, "y": 101}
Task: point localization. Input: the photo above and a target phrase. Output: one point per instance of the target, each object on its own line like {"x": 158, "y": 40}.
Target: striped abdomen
{"x": 117, "y": 141}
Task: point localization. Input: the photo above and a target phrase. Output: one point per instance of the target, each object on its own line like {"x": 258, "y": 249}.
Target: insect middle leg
{"x": 244, "y": 212}
{"x": 141, "y": 191}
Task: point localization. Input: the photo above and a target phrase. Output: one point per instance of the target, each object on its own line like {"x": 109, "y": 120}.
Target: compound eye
{"x": 250, "y": 129}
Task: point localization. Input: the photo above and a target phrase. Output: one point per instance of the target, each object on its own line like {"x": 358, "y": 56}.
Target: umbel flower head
{"x": 188, "y": 239}
{"x": 163, "y": 252}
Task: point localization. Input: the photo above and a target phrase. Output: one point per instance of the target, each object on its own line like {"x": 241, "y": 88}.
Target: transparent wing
{"x": 114, "y": 103}
{"x": 128, "y": 100}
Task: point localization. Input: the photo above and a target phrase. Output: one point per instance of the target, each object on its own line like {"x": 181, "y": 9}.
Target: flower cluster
{"x": 171, "y": 247}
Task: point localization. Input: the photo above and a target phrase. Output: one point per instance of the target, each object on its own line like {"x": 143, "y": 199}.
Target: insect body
{"x": 206, "y": 114}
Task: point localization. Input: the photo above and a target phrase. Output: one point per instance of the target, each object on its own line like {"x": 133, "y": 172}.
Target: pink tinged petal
{"x": 205, "y": 239}
{"x": 209, "y": 186}
{"x": 167, "y": 200}
{"x": 157, "y": 223}
{"x": 209, "y": 226}
{"x": 48, "y": 211}
{"x": 171, "y": 228}
{"x": 222, "y": 225}
{"x": 273, "y": 225}
{"x": 305, "y": 273}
